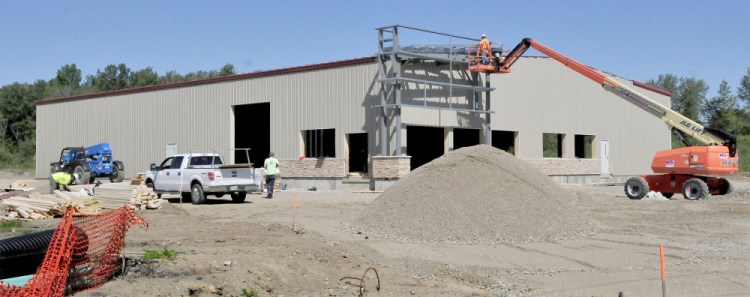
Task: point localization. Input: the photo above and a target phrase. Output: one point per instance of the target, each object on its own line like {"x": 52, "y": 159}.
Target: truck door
{"x": 174, "y": 174}
{"x": 160, "y": 177}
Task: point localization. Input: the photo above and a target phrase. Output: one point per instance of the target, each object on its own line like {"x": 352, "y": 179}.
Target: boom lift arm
{"x": 673, "y": 119}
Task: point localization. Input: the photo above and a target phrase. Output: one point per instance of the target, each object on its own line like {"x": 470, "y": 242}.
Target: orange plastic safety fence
{"x": 82, "y": 254}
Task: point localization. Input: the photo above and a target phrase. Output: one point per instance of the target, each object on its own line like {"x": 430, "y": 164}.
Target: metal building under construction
{"x": 368, "y": 121}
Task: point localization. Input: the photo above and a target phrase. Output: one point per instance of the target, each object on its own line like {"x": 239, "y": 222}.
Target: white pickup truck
{"x": 194, "y": 176}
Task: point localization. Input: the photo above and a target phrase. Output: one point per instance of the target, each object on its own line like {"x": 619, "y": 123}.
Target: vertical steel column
{"x": 397, "y": 70}
{"x": 383, "y": 112}
{"x": 487, "y": 124}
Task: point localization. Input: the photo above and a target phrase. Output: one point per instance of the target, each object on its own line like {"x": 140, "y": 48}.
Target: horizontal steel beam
{"x": 435, "y": 83}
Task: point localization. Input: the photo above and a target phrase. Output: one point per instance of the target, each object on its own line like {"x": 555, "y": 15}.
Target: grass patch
{"x": 743, "y": 147}
{"x": 249, "y": 293}
{"x": 8, "y": 226}
{"x": 165, "y": 254}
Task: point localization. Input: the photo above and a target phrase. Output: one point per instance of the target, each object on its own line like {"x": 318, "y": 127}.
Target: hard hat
{"x": 484, "y": 35}
{"x": 76, "y": 175}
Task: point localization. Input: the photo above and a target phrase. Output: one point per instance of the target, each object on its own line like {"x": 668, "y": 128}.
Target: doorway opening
{"x": 252, "y": 129}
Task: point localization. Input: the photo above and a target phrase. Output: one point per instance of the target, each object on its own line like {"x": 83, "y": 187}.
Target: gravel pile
{"x": 474, "y": 195}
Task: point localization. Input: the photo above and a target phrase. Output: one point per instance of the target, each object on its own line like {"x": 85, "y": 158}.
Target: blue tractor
{"x": 89, "y": 163}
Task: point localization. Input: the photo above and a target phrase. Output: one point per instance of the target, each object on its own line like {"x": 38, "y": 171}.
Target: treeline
{"x": 18, "y": 112}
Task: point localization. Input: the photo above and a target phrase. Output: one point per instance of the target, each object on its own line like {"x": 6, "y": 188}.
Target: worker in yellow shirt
{"x": 61, "y": 180}
{"x": 485, "y": 50}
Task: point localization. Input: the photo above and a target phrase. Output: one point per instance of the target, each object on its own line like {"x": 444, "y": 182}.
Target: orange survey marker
{"x": 663, "y": 272}
{"x": 82, "y": 254}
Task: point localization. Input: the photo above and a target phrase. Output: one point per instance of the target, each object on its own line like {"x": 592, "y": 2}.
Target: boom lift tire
{"x": 694, "y": 189}
{"x": 636, "y": 187}
{"x": 117, "y": 175}
{"x": 728, "y": 187}
{"x": 196, "y": 194}
{"x": 238, "y": 197}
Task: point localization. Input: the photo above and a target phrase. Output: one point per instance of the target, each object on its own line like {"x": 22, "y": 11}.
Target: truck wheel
{"x": 83, "y": 175}
{"x": 727, "y": 188}
{"x": 149, "y": 184}
{"x": 196, "y": 194}
{"x": 694, "y": 189}
{"x": 219, "y": 195}
{"x": 239, "y": 197}
{"x": 117, "y": 175}
{"x": 636, "y": 187}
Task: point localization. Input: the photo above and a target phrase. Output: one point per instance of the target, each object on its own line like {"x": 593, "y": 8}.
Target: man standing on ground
{"x": 271, "y": 165}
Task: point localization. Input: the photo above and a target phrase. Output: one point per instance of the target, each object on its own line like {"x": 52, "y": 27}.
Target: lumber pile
{"x": 138, "y": 179}
{"x": 144, "y": 197}
{"x": 141, "y": 197}
{"x": 41, "y": 206}
{"x": 19, "y": 185}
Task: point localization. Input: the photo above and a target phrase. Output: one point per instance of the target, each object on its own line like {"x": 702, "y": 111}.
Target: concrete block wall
{"x": 313, "y": 168}
{"x": 569, "y": 166}
{"x": 390, "y": 167}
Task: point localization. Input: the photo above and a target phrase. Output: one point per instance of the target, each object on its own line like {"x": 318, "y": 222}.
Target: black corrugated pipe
{"x": 22, "y": 255}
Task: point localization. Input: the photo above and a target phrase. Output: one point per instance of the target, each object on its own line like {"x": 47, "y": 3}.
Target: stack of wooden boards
{"x": 141, "y": 197}
{"x": 37, "y": 206}
{"x": 138, "y": 179}
{"x": 144, "y": 197}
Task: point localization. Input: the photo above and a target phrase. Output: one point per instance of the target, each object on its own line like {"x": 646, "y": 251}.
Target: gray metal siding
{"x": 140, "y": 125}
{"x": 543, "y": 96}
{"x": 539, "y": 96}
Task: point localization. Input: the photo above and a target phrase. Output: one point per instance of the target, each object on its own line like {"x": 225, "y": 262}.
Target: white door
{"x": 604, "y": 153}
{"x": 171, "y": 149}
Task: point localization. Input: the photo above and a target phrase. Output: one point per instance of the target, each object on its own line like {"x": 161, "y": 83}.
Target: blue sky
{"x": 635, "y": 39}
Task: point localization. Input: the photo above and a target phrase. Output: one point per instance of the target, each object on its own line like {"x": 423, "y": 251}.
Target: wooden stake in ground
{"x": 294, "y": 210}
{"x": 663, "y": 272}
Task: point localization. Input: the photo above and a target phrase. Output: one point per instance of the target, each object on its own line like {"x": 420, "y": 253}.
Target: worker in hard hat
{"x": 485, "y": 50}
{"x": 61, "y": 180}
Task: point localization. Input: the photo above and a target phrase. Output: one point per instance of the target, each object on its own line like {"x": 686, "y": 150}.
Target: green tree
{"x": 68, "y": 75}
{"x": 66, "y": 83}
{"x": 114, "y": 77}
{"x": 668, "y": 82}
{"x": 144, "y": 77}
{"x": 743, "y": 91}
{"x": 721, "y": 111}
{"x": 170, "y": 77}
{"x": 691, "y": 95}
{"x": 228, "y": 69}
{"x": 18, "y": 111}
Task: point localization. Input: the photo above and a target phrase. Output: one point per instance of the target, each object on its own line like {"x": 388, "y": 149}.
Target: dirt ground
{"x": 227, "y": 248}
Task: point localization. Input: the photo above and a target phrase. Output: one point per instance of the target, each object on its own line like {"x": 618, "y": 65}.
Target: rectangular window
{"x": 505, "y": 140}
{"x": 553, "y": 144}
{"x": 319, "y": 143}
{"x": 584, "y": 146}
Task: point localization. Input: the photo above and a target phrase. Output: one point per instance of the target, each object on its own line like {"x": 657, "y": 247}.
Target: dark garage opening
{"x": 357, "y": 152}
{"x": 505, "y": 140}
{"x": 252, "y": 129}
{"x": 424, "y": 144}
{"x": 465, "y": 137}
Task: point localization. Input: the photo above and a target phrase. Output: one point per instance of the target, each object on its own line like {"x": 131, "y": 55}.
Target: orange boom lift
{"x": 694, "y": 171}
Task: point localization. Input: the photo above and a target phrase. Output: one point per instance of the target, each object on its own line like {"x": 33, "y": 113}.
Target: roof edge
{"x": 652, "y": 88}
{"x": 234, "y": 77}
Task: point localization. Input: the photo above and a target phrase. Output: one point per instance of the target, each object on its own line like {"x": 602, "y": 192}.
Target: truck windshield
{"x": 205, "y": 160}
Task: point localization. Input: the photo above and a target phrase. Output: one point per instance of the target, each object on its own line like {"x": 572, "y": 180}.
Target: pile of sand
{"x": 474, "y": 195}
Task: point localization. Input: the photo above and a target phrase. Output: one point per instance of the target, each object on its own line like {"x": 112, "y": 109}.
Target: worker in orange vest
{"x": 485, "y": 50}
